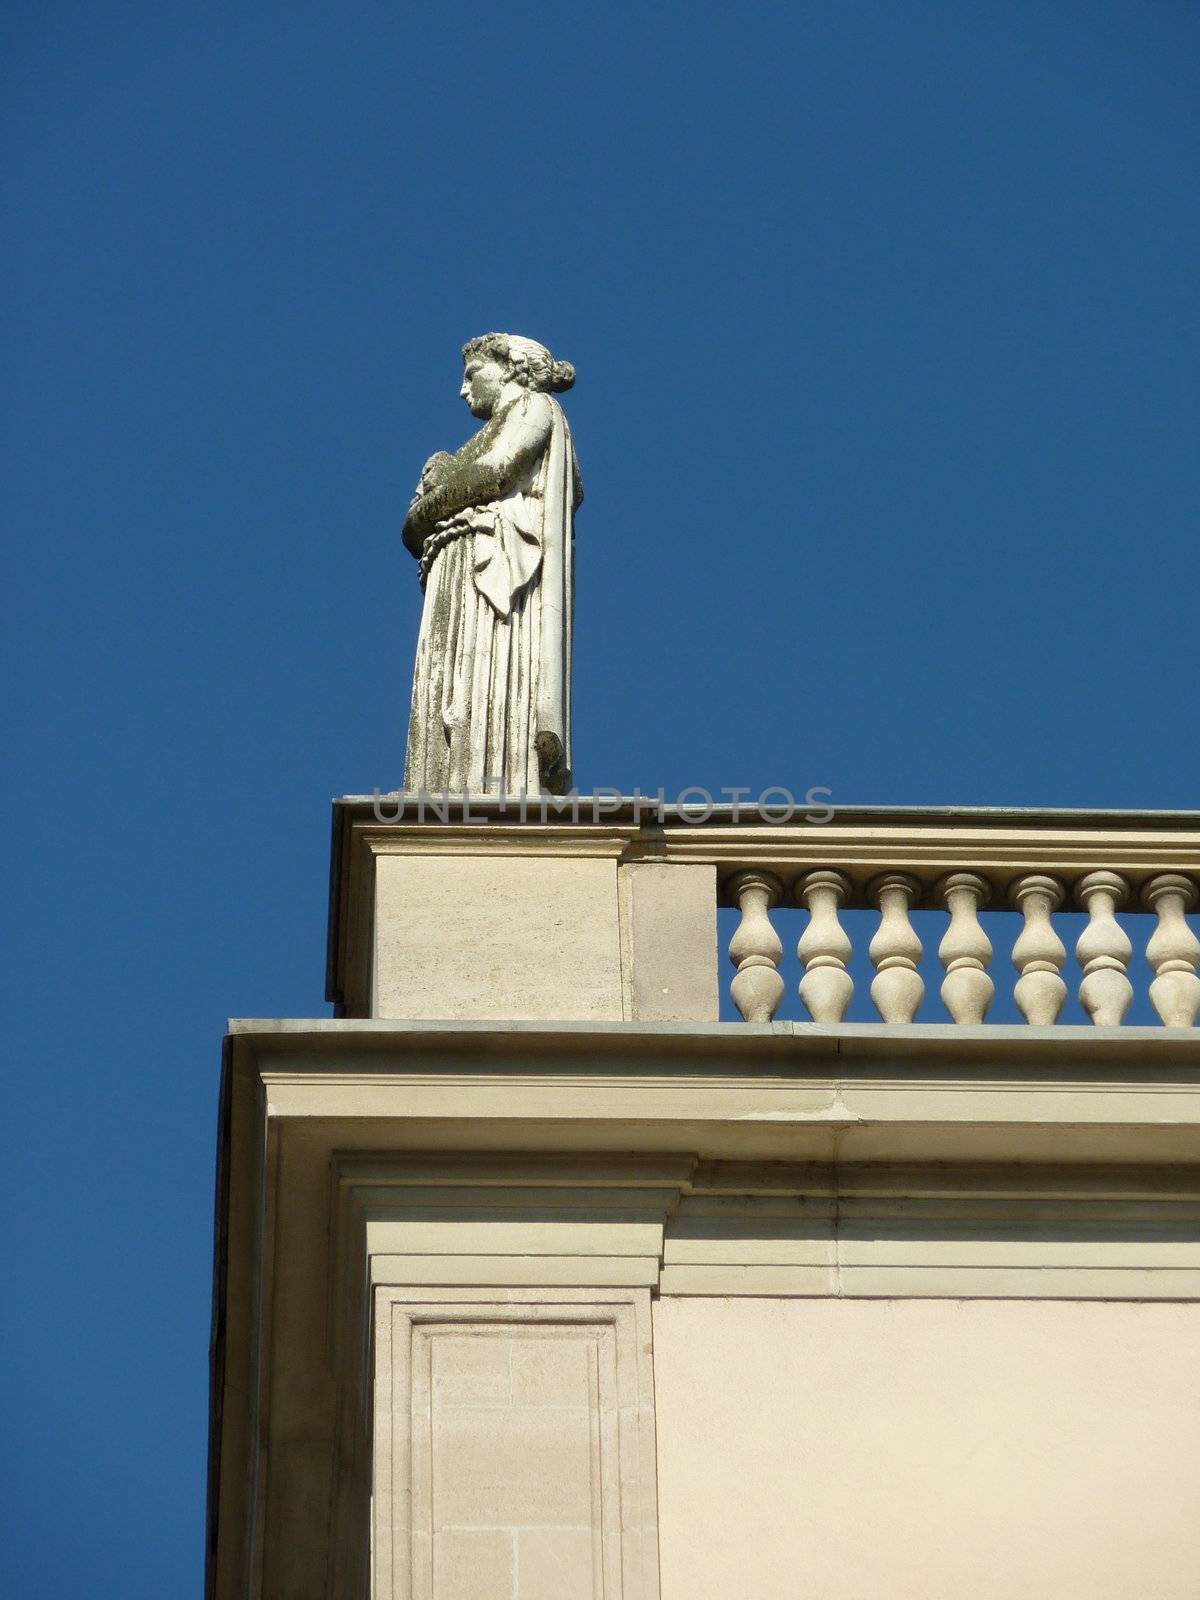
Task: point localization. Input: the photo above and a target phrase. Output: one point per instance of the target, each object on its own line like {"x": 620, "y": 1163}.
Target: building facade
{"x": 538, "y": 1281}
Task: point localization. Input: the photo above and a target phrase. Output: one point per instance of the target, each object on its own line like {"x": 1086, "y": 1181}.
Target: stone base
{"x": 579, "y": 937}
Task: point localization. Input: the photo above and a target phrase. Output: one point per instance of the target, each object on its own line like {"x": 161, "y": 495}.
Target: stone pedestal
{"x": 517, "y": 922}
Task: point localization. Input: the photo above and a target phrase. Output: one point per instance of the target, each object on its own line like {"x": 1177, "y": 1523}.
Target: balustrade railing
{"x": 1048, "y": 916}
{"x": 1102, "y": 870}
{"x": 1103, "y": 950}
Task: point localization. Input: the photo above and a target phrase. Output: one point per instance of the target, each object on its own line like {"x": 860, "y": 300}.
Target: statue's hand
{"x": 433, "y": 471}
{"x": 423, "y": 514}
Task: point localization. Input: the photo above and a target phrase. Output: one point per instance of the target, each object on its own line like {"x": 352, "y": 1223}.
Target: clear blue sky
{"x": 885, "y": 318}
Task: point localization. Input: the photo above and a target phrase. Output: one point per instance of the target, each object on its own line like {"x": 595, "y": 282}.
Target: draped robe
{"x": 491, "y": 699}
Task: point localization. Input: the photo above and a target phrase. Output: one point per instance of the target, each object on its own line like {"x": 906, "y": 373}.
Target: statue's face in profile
{"x": 482, "y": 382}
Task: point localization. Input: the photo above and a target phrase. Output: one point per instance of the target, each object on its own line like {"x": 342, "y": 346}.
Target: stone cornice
{"x": 753, "y": 1045}
{"x": 782, "y": 1091}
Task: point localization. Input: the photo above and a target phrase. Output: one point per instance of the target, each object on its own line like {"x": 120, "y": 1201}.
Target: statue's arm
{"x": 517, "y": 443}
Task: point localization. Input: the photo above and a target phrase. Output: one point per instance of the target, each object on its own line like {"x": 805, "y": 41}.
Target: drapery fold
{"x": 491, "y": 689}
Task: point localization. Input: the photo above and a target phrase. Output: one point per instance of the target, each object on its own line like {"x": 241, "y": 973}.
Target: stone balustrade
{"x": 1103, "y": 949}
{"x": 608, "y": 911}
{"x": 968, "y": 864}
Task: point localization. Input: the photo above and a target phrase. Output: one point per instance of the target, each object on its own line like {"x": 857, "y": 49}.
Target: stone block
{"x": 511, "y": 1466}
{"x": 548, "y": 1372}
{"x": 496, "y": 938}
{"x": 555, "y": 1564}
{"x": 469, "y": 1372}
{"x": 473, "y": 1563}
{"x": 669, "y": 941}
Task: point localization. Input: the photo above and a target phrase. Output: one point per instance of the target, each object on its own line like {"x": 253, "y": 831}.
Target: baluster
{"x": 1038, "y": 953}
{"x": 755, "y": 949}
{"x": 1103, "y": 950}
{"x": 897, "y": 986}
{"x": 824, "y": 947}
{"x": 1173, "y": 950}
{"x": 965, "y": 950}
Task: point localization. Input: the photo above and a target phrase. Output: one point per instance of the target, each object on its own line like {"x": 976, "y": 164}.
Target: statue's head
{"x": 495, "y": 359}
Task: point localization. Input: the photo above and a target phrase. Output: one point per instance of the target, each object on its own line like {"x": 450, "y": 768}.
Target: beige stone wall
{"x": 506, "y": 938}
{"x": 511, "y": 938}
{"x": 927, "y": 1449}
{"x": 810, "y": 1440}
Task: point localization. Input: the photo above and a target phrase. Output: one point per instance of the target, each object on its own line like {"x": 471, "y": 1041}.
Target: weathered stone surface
{"x": 668, "y": 936}
{"x": 499, "y": 937}
{"x": 514, "y": 1445}
{"x": 492, "y": 527}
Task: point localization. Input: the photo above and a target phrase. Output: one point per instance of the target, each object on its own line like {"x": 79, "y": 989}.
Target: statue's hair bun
{"x": 530, "y": 363}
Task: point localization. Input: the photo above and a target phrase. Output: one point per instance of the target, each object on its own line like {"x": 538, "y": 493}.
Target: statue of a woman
{"x": 492, "y": 527}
